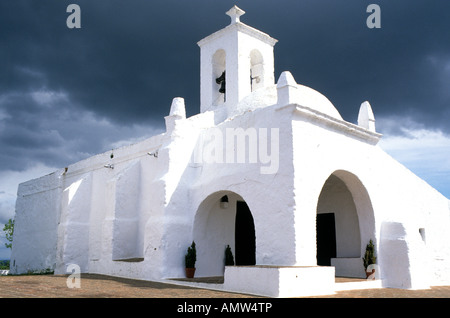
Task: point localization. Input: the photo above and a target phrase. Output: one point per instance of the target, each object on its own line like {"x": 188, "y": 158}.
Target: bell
{"x": 221, "y": 80}
{"x": 222, "y": 88}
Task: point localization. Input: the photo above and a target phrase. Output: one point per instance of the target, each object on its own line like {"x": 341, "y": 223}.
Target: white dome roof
{"x": 303, "y": 96}
{"x": 313, "y": 99}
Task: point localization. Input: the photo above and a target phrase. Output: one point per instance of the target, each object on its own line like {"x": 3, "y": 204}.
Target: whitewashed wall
{"x": 36, "y": 225}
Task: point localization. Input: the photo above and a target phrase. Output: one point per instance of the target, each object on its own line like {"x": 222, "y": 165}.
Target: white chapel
{"x": 268, "y": 167}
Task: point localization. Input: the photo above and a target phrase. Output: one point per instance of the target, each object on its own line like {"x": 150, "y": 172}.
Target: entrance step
{"x": 206, "y": 280}
{"x": 280, "y": 281}
{"x": 303, "y": 287}
{"x": 348, "y": 283}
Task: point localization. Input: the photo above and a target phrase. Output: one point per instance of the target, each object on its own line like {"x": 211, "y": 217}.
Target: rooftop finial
{"x": 366, "y": 118}
{"x": 235, "y": 14}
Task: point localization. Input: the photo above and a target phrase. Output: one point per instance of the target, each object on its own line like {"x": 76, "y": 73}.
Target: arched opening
{"x": 256, "y": 70}
{"x": 344, "y": 223}
{"x": 218, "y": 70}
{"x": 217, "y": 225}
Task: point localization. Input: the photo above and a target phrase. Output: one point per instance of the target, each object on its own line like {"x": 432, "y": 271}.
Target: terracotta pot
{"x": 190, "y": 272}
{"x": 370, "y": 273}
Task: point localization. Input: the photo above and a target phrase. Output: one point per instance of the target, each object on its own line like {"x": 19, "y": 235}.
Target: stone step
{"x": 354, "y": 284}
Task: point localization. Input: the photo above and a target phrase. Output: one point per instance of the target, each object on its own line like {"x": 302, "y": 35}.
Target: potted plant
{"x": 369, "y": 258}
{"x": 190, "y": 259}
{"x": 229, "y": 259}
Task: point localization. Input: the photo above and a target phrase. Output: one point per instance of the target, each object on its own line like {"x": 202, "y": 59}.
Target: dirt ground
{"x": 100, "y": 286}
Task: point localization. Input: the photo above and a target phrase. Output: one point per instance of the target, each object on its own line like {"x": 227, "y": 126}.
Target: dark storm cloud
{"x": 336, "y": 54}
{"x": 119, "y": 65}
{"x": 132, "y": 57}
{"x": 32, "y": 133}
{"x": 43, "y": 127}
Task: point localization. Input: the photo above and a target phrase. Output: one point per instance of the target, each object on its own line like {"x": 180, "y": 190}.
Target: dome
{"x": 313, "y": 99}
{"x": 259, "y": 98}
{"x": 303, "y": 96}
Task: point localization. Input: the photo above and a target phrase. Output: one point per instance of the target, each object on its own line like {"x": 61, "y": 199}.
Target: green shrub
{"x": 369, "y": 256}
{"x": 4, "y": 264}
{"x": 191, "y": 256}
{"x": 229, "y": 259}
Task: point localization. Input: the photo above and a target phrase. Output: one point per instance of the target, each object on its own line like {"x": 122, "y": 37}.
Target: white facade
{"x": 134, "y": 211}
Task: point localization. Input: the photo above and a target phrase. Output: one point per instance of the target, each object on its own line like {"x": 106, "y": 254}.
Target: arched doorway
{"x": 344, "y": 223}
{"x": 220, "y": 222}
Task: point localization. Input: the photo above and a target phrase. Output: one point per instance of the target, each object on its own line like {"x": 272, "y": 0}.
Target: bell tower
{"x": 234, "y": 62}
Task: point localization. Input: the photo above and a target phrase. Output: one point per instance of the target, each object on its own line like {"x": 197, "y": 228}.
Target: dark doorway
{"x": 244, "y": 235}
{"x": 326, "y": 238}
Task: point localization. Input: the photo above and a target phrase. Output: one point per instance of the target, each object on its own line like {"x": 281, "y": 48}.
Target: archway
{"x": 220, "y": 222}
{"x": 344, "y": 223}
{"x": 256, "y": 70}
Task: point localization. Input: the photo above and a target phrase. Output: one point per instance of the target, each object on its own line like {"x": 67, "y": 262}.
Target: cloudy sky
{"x": 67, "y": 94}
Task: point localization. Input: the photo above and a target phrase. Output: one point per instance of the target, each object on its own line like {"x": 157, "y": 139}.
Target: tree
{"x": 9, "y": 231}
